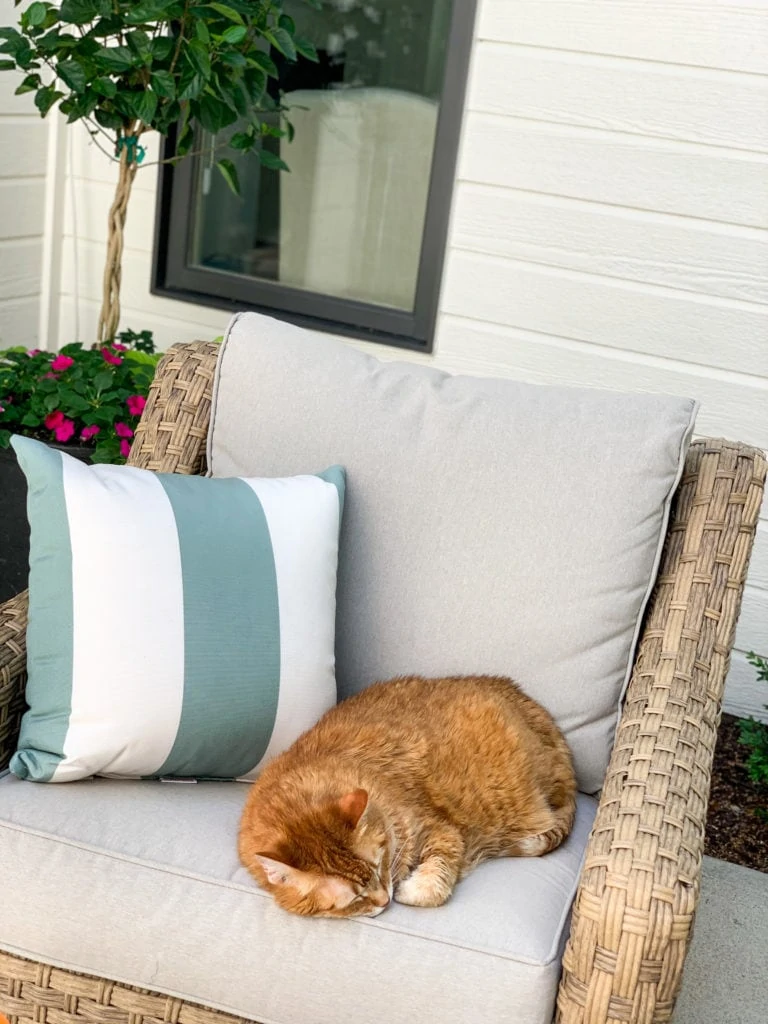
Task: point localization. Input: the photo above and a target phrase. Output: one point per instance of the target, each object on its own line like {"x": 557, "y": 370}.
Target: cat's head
{"x": 332, "y": 860}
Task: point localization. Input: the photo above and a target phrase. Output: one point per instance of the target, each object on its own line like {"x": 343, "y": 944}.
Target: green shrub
{"x": 754, "y": 734}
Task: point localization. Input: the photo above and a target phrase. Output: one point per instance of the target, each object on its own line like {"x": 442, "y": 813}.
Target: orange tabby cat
{"x": 404, "y": 789}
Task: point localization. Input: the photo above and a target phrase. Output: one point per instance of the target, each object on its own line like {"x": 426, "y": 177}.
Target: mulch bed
{"x": 735, "y": 831}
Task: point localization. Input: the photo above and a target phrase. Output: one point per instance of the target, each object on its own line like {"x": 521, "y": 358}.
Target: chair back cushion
{"x": 490, "y": 526}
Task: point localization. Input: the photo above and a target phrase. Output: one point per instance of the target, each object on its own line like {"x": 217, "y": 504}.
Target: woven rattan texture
{"x": 173, "y": 429}
{"x": 634, "y": 911}
{"x": 13, "y": 661}
{"x": 32, "y": 993}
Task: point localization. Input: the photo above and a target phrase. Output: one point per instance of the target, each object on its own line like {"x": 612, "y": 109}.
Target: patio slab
{"x": 725, "y": 979}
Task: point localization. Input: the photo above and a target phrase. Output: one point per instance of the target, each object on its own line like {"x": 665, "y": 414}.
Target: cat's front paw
{"x": 424, "y": 887}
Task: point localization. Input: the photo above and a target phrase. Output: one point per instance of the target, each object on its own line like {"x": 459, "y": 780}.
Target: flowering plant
{"x": 90, "y": 396}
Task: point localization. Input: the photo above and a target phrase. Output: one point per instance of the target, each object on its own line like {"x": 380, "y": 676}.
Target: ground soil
{"x": 735, "y": 830}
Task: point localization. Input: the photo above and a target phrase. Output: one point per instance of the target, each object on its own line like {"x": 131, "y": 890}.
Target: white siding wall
{"x": 23, "y": 158}
{"x": 608, "y": 227}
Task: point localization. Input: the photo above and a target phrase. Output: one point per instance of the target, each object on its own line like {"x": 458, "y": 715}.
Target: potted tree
{"x": 124, "y": 69}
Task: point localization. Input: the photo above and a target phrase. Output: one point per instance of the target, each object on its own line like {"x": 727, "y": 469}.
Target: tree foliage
{"x": 126, "y": 67}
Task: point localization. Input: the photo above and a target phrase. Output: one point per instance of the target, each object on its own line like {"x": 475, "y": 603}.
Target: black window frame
{"x": 173, "y": 278}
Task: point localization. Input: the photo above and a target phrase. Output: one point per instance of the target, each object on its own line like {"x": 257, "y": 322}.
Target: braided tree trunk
{"x": 109, "y": 317}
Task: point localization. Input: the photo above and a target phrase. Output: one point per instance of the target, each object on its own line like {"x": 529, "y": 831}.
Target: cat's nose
{"x": 380, "y": 898}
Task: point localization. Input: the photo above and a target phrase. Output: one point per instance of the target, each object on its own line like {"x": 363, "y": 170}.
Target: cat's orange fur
{"x": 404, "y": 789}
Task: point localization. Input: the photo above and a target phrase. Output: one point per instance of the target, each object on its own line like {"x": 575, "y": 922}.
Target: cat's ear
{"x": 277, "y": 873}
{"x": 352, "y": 806}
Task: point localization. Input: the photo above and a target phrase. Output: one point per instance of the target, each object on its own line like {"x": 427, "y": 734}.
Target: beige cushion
{"x": 489, "y": 526}
{"x": 140, "y": 882}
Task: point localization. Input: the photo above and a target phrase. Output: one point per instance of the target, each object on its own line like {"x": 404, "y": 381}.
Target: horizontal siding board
{"x": 22, "y": 267}
{"x": 607, "y": 312}
{"x": 713, "y": 108}
{"x": 728, "y": 408}
{"x": 758, "y": 564}
{"x": 677, "y": 252}
{"x": 745, "y": 695}
{"x": 727, "y": 34}
{"x": 92, "y": 202}
{"x": 202, "y": 324}
{"x": 24, "y": 145}
{"x": 623, "y": 170}
{"x": 752, "y": 628}
{"x": 21, "y": 207}
{"x": 19, "y": 321}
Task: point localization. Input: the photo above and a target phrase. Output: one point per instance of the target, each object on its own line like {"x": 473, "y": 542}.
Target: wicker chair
{"x": 634, "y": 911}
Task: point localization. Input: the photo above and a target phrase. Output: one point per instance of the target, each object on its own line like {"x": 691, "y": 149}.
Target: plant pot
{"x": 14, "y": 527}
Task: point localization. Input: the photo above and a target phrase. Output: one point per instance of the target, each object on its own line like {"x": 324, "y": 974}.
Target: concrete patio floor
{"x": 726, "y": 972}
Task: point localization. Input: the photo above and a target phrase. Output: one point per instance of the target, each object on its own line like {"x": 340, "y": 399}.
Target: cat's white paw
{"x": 424, "y": 887}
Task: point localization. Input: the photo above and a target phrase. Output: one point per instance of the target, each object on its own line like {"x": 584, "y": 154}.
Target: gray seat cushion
{"x": 489, "y": 526}
{"x": 140, "y": 882}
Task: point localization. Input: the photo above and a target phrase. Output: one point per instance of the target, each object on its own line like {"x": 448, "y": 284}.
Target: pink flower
{"x": 54, "y": 419}
{"x": 118, "y": 347}
{"x": 123, "y": 430}
{"x": 88, "y": 432}
{"x": 34, "y": 351}
{"x": 61, "y": 363}
{"x": 125, "y": 449}
{"x": 110, "y": 357}
{"x": 65, "y": 430}
{"x": 2, "y": 407}
{"x": 136, "y": 404}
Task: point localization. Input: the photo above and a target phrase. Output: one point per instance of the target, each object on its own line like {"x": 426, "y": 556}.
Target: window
{"x": 351, "y": 240}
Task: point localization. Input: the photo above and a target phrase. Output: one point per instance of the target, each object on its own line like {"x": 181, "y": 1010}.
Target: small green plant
{"x": 754, "y": 734}
{"x": 89, "y": 396}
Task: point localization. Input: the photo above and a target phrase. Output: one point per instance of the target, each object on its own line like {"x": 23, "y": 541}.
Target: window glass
{"x": 347, "y": 221}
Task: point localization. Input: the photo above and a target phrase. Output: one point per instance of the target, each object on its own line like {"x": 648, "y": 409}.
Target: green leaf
{"x": 202, "y": 33}
{"x": 262, "y": 60}
{"x": 282, "y": 41}
{"x": 305, "y": 48}
{"x": 213, "y": 114}
{"x": 234, "y": 59}
{"x": 229, "y": 173}
{"x": 143, "y": 105}
{"x": 162, "y": 47}
{"x": 79, "y": 12}
{"x": 108, "y": 118}
{"x": 197, "y": 55}
{"x": 115, "y": 59}
{"x": 5, "y": 438}
{"x": 255, "y": 82}
{"x": 287, "y": 23}
{"x": 243, "y": 140}
{"x": 164, "y": 84}
{"x": 102, "y": 380}
{"x": 46, "y": 97}
{"x": 138, "y": 42}
{"x": 271, "y": 160}
{"x": 227, "y": 12}
{"x": 7, "y": 65}
{"x": 104, "y": 87}
{"x": 234, "y": 34}
{"x": 29, "y": 84}
{"x": 191, "y": 85}
{"x": 185, "y": 140}
{"x": 72, "y": 74}
{"x": 36, "y": 14}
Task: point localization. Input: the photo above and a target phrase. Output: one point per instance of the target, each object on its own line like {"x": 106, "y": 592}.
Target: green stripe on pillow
{"x": 49, "y": 633}
{"x": 231, "y": 628}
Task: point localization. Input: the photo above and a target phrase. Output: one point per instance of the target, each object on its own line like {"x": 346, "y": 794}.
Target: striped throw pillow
{"x": 178, "y": 626}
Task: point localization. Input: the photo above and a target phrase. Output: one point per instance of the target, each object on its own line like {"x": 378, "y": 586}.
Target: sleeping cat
{"x": 404, "y": 789}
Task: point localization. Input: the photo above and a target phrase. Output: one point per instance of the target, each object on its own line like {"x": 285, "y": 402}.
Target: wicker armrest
{"x": 13, "y": 673}
{"x": 172, "y": 433}
{"x": 633, "y": 914}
